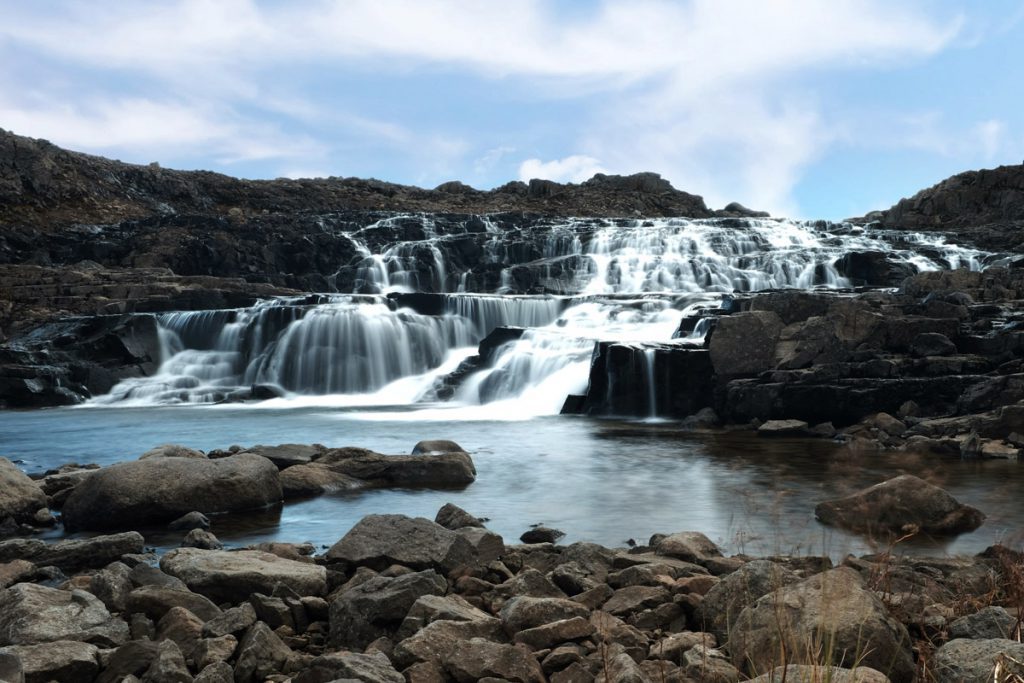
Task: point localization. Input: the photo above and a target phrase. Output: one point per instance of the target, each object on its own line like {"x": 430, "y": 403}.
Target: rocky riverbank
{"x": 410, "y": 599}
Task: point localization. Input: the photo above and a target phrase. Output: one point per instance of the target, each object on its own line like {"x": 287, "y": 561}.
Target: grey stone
{"x": 378, "y": 541}
{"x": 377, "y": 607}
{"x": 371, "y": 668}
{"x": 20, "y": 497}
{"x": 62, "y": 660}
{"x": 974, "y": 661}
{"x": 261, "y": 653}
{"x": 231, "y": 576}
{"x": 452, "y": 517}
{"x": 31, "y": 614}
{"x": 523, "y": 612}
{"x": 156, "y": 601}
{"x": 989, "y": 623}
{"x": 72, "y": 555}
{"x": 202, "y": 539}
{"x": 721, "y": 606}
{"x": 190, "y": 521}
{"x": 168, "y": 665}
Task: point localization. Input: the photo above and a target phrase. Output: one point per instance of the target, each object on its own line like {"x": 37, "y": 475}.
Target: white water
{"x": 367, "y": 351}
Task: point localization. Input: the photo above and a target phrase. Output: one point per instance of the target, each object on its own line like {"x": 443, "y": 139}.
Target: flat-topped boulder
{"x": 433, "y": 468}
{"x": 73, "y": 554}
{"x": 904, "y": 504}
{"x": 378, "y": 541}
{"x": 232, "y": 576}
{"x": 161, "y": 489}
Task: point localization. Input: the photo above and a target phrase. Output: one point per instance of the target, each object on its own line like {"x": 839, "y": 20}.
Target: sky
{"x": 805, "y": 108}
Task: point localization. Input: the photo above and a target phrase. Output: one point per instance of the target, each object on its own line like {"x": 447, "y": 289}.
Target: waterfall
{"x": 603, "y": 280}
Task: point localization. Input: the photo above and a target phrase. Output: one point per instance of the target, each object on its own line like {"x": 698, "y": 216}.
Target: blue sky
{"x": 808, "y": 108}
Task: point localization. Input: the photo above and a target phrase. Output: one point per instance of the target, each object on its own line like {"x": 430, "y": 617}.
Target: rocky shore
{"x": 411, "y": 599}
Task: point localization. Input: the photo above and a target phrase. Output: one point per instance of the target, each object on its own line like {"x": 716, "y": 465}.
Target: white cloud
{"x": 990, "y": 136}
{"x": 706, "y": 92}
{"x": 573, "y": 169}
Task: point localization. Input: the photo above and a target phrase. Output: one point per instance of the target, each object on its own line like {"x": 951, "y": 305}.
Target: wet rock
{"x": 436, "y": 446}
{"x": 904, "y": 504}
{"x": 192, "y": 520}
{"x": 974, "y": 661}
{"x": 234, "y": 575}
{"x": 378, "y": 541}
{"x": 449, "y": 468}
{"x": 724, "y": 602}
{"x": 260, "y": 654}
{"x": 377, "y": 607}
{"x": 833, "y": 608}
{"x": 303, "y": 481}
{"x": 202, "y": 539}
{"x": 474, "y": 659}
{"x": 62, "y": 660}
{"x": 20, "y": 497}
{"x": 72, "y": 555}
{"x": 371, "y": 668}
{"x": 542, "y": 534}
{"x": 168, "y": 665}
{"x": 453, "y": 517}
{"x": 156, "y": 601}
{"x": 783, "y": 428}
{"x": 162, "y": 489}
{"x": 31, "y": 614}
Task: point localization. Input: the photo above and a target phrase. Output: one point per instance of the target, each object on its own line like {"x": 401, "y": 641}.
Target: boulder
{"x": 378, "y": 541}
{"x": 232, "y": 621}
{"x": 523, "y": 612}
{"x": 904, "y": 504}
{"x": 31, "y": 614}
{"x": 707, "y": 664}
{"x": 156, "y": 601}
{"x": 159, "y": 490}
{"x": 488, "y": 545}
{"x": 62, "y": 660}
{"x": 989, "y": 623}
{"x": 724, "y": 602}
{"x": 453, "y": 517}
{"x": 112, "y": 585}
{"x": 432, "y": 643}
{"x": 72, "y": 555}
{"x": 377, "y": 607}
{"x": 202, "y": 539}
{"x": 744, "y": 343}
{"x": 168, "y": 665}
{"x": 808, "y": 673}
{"x": 929, "y": 344}
{"x": 171, "y": 450}
{"x": 15, "y": 571}
{"x": 974, "y": 661}
{"x": 689, "y": 546}
{"x": 218, "y": 672}
{"x": 475, "y": 659}
{"x": 303, "y": 481}
{"x": 783, "y": 428}
{"x": 20, "y": 497}
{"x": 546, "y": 636}
{"x": 832, "y": 612}
{"x": 541, "y": 534}
{"x": 231, "y": 576}
{"x": 431, "y": 608}
{"x": 372, "y": 667}
{"x": 288, "y": 454}
{"x": 261, "y": 653}
{"x": 436, "y": 446}
{"x": 192, "y": 520}
{"x": 444, "y": 469}
{"x": 131, "y": 659}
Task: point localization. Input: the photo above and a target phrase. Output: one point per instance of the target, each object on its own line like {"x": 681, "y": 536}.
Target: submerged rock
{"x": 904, "y": 504}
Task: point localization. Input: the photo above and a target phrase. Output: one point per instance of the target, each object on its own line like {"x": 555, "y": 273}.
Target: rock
{"x": 131, "y": 659}
{"x": 371, "y": 668}
{"x": 523, "y": 612}
{"x": 168, "y": 665}
{"x": 708, "y": 664}
{"x": 10, "y": 669}
{"x": 218, "y": 672}
{"x": 232, "y": 621}
{"x": 673, "y": 646}
{"x": 181, "y": 626}
{"x": 886, "y": 423}
{"x": 433, "y": 642}
{"x": 20, "y": 497}
{"x": 744, "y": 343}
{"x": 474, "y": 659}
{"x": 974, "y": 661}
{"x": 232, "y": 576}
{"x": 112, "y": 586}
{"x": 192, "y": 520}
{"x": 62, "y": 660}
{"x": 548, "y": 635}
{"x": 202, "y": 539}
{"x": 162, "y": 489}
{"x": 830, "y": 612}
{"x": 431, "y": 608}
{"x": 14, "y": 572}
{"x": 929, "y": 344}
{"x": 172, "y": 451}
{"x": 904, "y": 504}
{"x": 144, "y": 574}
{"x": 806, "y": 673}
{"x": 453, "y": 517}
{"x": 610, "y": 630}
{"x": 156, "y": 601}
{"x": 377, "y": 607}
{"x": 302, "y": 481}
{"x": 723, "y": 603}
{"x": 288, "y": 454}
{"x": 72, "y": 555}
{"x": 450, "y": 468}
{"x": 31, "y": 614}
{"x": 261, "y": 653}
{"x": 436, "y": 446}
{"x": 210, "y": 650}
{"x": 378, "y": 541}
{"x": 689, "y": 546}
{"x": 989, "y": 623}
{"x": 783, "y": 428}
{"x": 541, "y": 534}
{"x": 631, "y": 599}
{"x": 488, "y": 545}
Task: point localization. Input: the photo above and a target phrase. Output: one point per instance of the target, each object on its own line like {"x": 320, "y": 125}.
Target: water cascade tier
{"x": 422, "y": 292}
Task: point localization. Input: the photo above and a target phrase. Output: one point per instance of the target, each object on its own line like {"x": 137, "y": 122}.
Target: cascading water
{"x": 619, "y": 280}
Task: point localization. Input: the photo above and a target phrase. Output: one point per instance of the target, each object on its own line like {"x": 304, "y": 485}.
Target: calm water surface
{"x": 598, "y": 480}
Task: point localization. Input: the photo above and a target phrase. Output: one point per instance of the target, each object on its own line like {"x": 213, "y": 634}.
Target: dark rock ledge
{"x": 410, "y": 599}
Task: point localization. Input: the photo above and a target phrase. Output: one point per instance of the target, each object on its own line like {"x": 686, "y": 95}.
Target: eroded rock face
{"x": 904, "y": 504}
{"x": 378, "y": 541}
{"x": 233, "y": 575}
{"x": 159, "y": 490}
{"x": 829, "y": 612}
